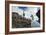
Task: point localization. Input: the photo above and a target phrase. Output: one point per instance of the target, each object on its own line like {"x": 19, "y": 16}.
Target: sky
{"x": 28, "y": 12}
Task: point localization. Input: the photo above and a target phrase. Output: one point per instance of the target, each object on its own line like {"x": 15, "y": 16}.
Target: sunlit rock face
{"x": 30, "y": 13}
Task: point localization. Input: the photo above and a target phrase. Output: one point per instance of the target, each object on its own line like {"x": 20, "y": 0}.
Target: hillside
{"x": 20, "y": 22}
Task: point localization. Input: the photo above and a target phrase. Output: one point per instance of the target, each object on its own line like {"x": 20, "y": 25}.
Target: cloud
{"x": 28, "y": 12}
{"x": 16, "y": 9}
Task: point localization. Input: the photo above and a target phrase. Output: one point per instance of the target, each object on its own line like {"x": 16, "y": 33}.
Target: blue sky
{"x": 28, "y": 11}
